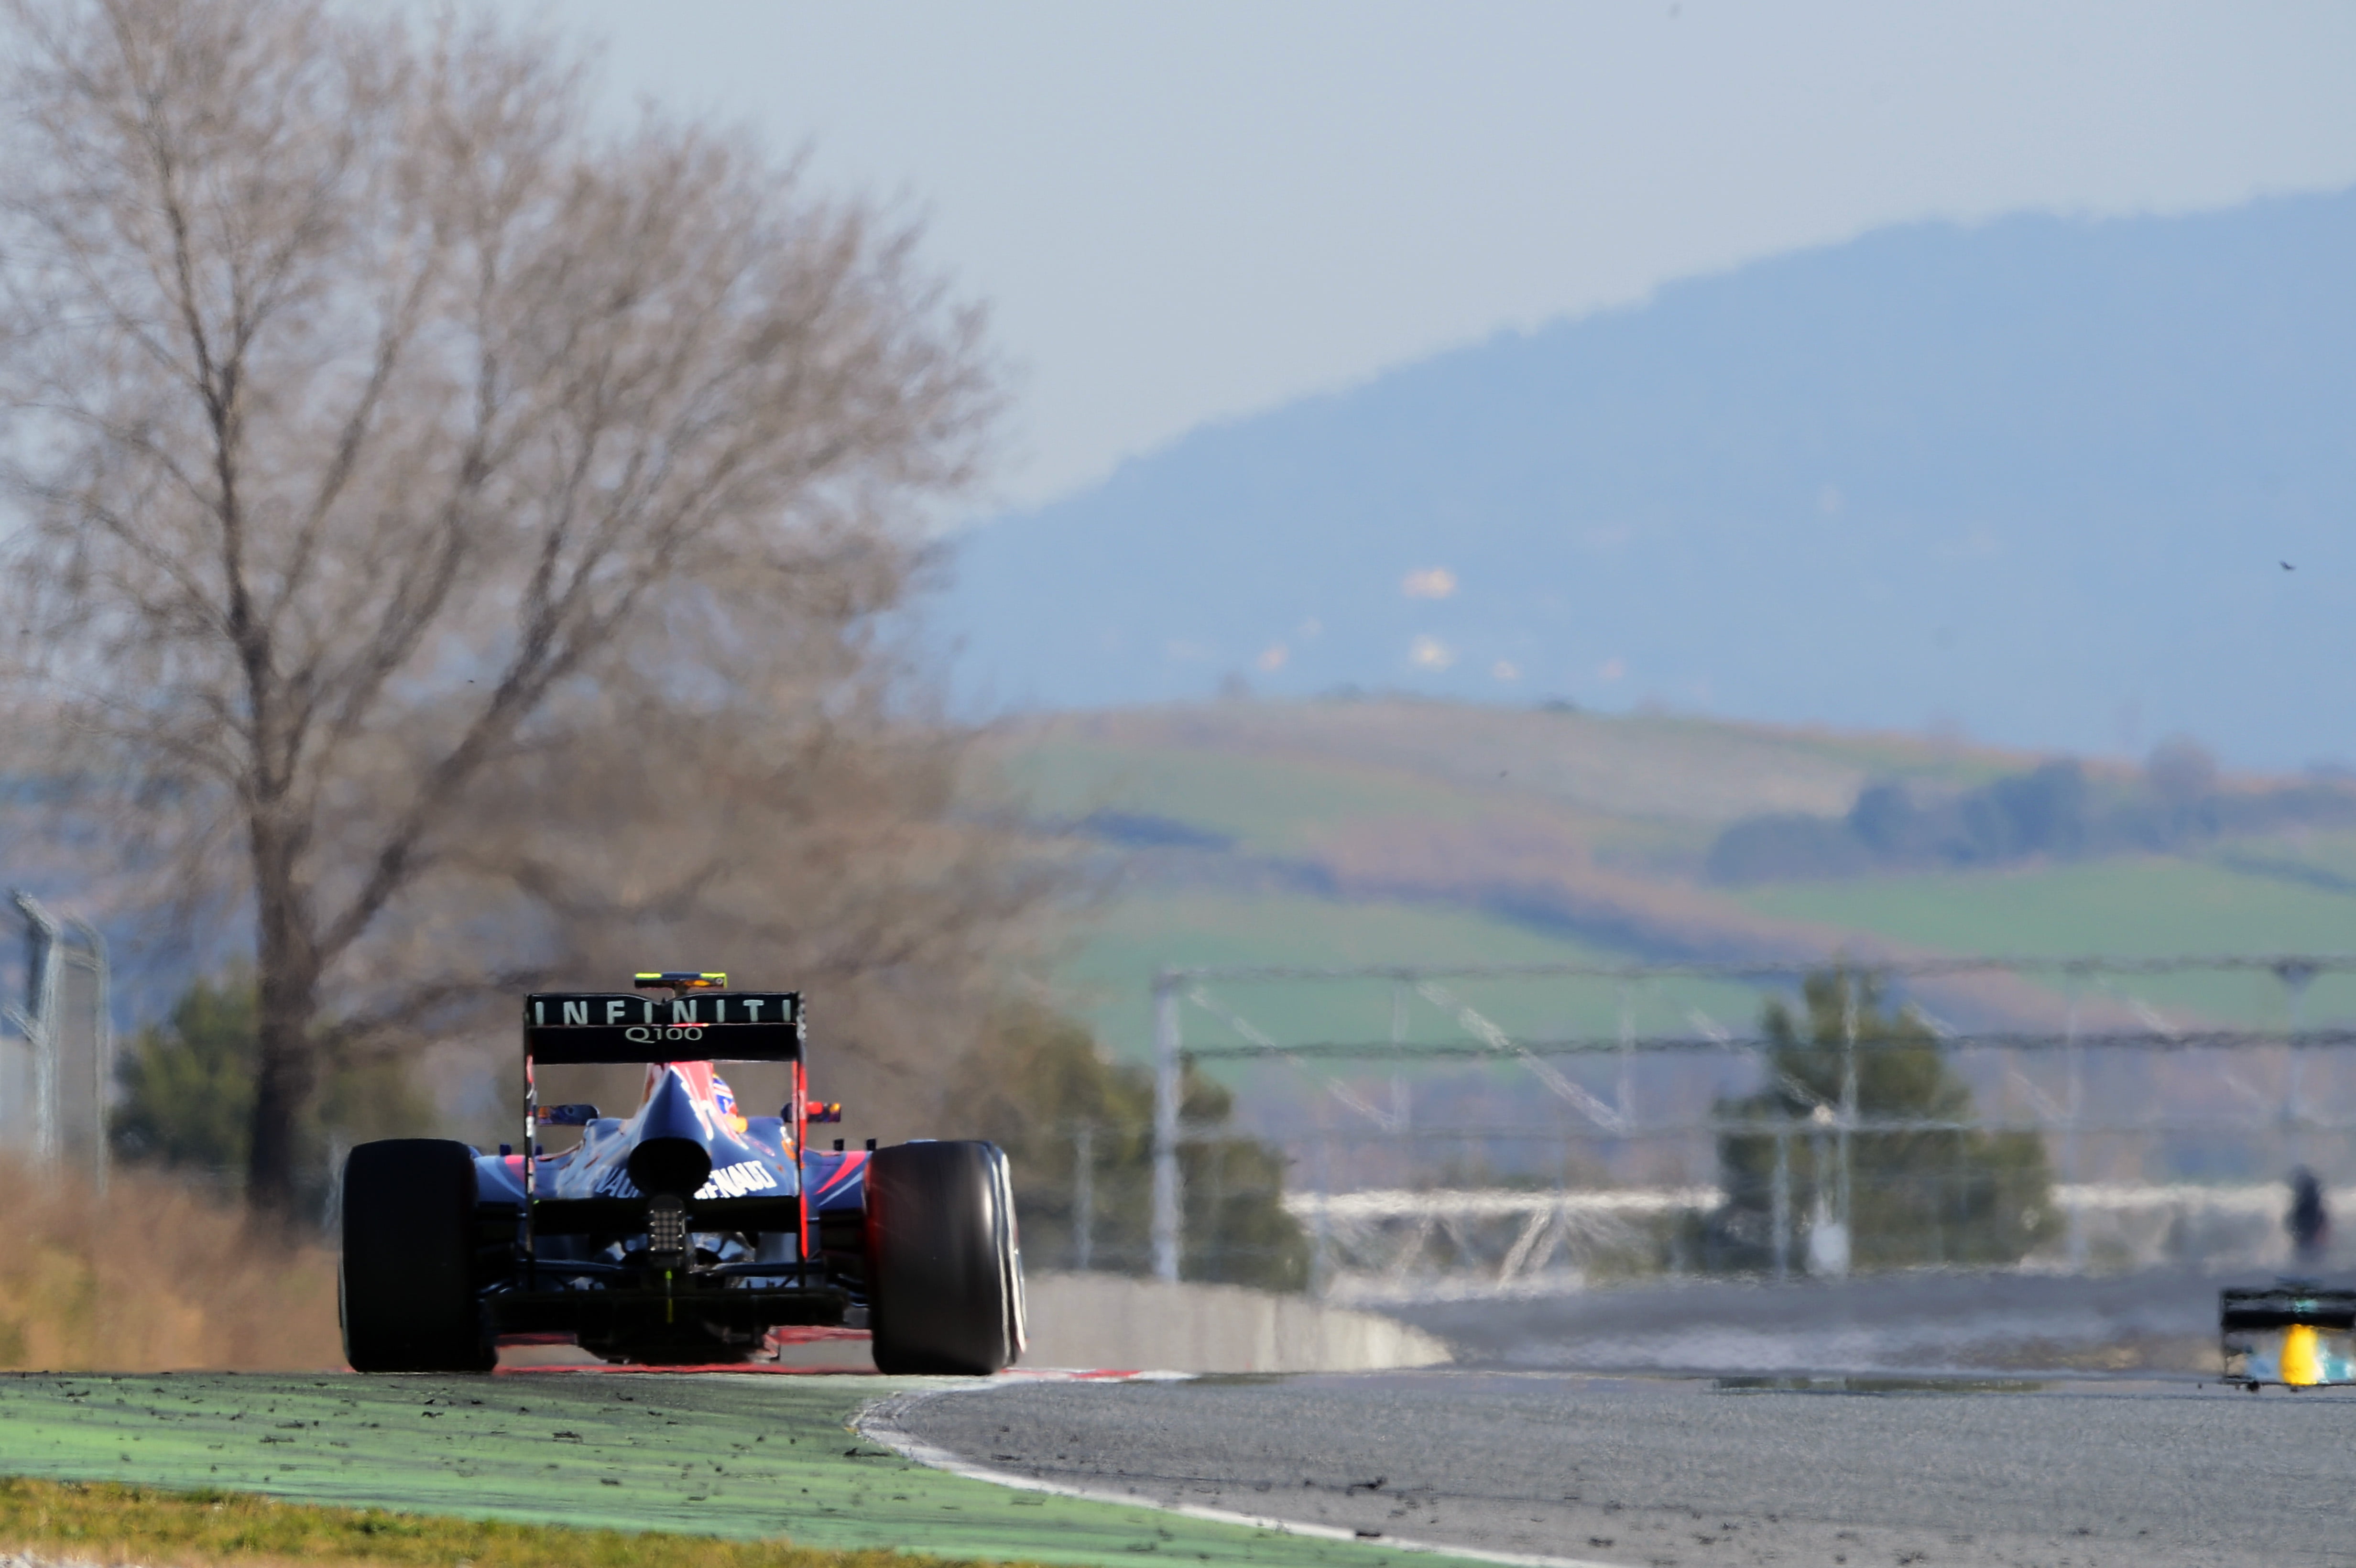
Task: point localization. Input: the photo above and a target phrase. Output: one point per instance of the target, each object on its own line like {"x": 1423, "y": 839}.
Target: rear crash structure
{"x": 685, "y": 1232}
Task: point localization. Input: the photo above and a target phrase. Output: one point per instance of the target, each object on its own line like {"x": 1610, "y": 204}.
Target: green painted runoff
{"x": 708, "y": 1454}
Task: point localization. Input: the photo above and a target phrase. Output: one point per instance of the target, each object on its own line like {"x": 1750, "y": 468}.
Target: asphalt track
{"x": 2156, "y": 1320}
{"x": 1567, "y": 1468}
{"x": 1661, "y": 1471}
{"x": 708, "y": 1454}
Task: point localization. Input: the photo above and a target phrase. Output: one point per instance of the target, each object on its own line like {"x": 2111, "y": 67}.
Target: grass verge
{"x": 151, "y": 1274}
{"x": 104, "y": 1521}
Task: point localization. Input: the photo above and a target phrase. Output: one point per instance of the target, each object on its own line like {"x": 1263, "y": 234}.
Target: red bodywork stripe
{"x": 850, "y": 1164}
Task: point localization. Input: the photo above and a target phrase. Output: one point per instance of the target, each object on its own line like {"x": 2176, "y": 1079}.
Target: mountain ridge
{"x": 2032, "y": 479}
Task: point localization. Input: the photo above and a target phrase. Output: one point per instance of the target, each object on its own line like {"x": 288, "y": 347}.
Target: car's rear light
{"x": 666, "y": 1233}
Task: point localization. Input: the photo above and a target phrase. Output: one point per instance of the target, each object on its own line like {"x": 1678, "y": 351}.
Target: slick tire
{"x": 944, "y": 1268}
{"x": 1010, "y": 1252}
{"x": 407, "y": 1285}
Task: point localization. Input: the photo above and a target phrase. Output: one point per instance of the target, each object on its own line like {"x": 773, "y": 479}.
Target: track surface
{"x": 716, "y": 1455}
{"x": 1660, "y": 1472}
{"x": 2161, "y": 1320}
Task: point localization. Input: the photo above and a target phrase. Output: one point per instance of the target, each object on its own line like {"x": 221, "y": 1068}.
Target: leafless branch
{"x": 377, "y": 424}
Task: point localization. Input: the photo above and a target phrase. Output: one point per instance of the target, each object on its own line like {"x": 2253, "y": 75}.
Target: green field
{"x": 2319, "y": 859}
{"x": 2145, "y": 908}
{"x": 1108, "y": 973}
{"x": 1468, "y": 808}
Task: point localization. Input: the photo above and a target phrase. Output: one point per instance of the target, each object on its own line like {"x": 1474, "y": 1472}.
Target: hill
{"x": 1369, "y": 832}
{"x": 2037, "y": 480}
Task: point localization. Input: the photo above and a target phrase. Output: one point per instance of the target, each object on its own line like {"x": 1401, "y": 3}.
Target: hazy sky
{"x": 1180, "y": 212}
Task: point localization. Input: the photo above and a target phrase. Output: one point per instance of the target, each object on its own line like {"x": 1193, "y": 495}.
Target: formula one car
{"x": 2297, "y": 1333}
{"x": 685, "y": 1233}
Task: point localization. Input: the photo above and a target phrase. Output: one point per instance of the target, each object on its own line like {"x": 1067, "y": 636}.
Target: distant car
{"x": 683, "y": 1234}
{"x": 2297, "y": 1333}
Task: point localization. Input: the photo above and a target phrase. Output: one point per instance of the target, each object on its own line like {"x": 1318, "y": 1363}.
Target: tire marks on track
{"x": 882, "y": 1422}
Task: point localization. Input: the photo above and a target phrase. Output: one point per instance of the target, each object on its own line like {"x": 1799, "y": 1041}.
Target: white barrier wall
{"x": 1104, "y": 1321}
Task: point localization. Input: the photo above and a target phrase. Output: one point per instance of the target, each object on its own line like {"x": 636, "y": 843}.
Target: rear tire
{"x": 1009, "y": 1253}
{"x": 944, "y": 1274}
{"x": 407, "y": 1285}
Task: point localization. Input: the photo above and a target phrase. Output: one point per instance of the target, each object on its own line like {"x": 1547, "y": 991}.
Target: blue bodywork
{"x": 838, "y": 1181}
{"x": 582, "y": 1258}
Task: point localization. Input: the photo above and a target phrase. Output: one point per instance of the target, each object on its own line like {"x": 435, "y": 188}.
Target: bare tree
{"x": 834, "y": 845}
{"x": 368, "y": 407}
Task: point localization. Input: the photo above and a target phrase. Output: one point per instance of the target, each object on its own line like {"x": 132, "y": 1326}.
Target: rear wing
{"x": 582, "y": 1028}
{"x": 563, "y": 1028}
{"x": 2283, "y": 1306}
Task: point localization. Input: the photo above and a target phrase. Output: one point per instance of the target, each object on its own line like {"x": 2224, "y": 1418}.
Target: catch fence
{"x": 56, "y": 1051}
{"x": 1505, "y": 1130}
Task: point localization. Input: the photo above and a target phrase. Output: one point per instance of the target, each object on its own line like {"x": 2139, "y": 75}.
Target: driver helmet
{"x": 724, "y": 1100}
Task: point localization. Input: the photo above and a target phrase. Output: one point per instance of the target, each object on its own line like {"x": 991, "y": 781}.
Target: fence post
{"x": 1083, "y": 1196}
{"x": 1783, "y": 1202}
{"x": 101, "y": 1048}
{"x": 1321, "y": 1235}
{"x": 2074, "y": 1218}
{"x": 45, "y": 964}
{"x": 1623, "y": 1090}
{"x": 2294, "y": 978}
{"x": 1167, "y": 1089}
{"x": 1844, "y": 1188}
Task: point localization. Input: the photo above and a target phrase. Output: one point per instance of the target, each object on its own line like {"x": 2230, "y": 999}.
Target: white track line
{"x": 878, "y": 1423}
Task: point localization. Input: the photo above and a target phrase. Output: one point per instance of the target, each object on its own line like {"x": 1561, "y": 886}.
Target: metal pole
{"x": 1956, "y": 1210}
{"x": 1623, "y": 1090}
{"x": 2073, "y": 1095}
{"x": 45, "y": 964}
{"x": 1849, "y": 1105}
{"x": 1167, "y": 1089}
{"x": 1403, "y": 1129}
{"x": 1320, "y": 1248}
{"x": 101, "y": 1051}
{"x": 1783, "y": 1205}
{"x": 1829, "y": 1241}
{"x": 2294, "y": 978}
{"x": 1083, "y": 1196}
